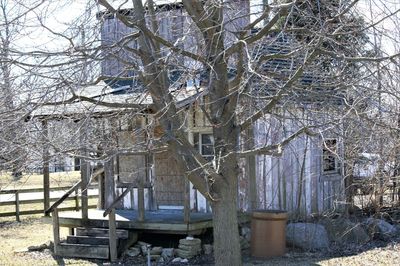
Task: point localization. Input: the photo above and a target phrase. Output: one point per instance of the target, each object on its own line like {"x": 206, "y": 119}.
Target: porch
{"x": 159, "y": 221}
{"x": 107, "y": 237}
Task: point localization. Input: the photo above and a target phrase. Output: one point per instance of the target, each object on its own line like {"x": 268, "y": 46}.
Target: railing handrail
{"x": 69, "y": 192}
{"x": 63, "y": 197}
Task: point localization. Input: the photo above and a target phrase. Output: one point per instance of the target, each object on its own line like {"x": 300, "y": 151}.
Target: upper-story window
{"x": 330, "y": 163}
{"x": 204, "y": 143}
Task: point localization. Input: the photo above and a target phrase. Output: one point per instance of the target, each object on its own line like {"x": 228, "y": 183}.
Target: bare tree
{"x": 288, "y": 55}
{"x": 13, "y": 17}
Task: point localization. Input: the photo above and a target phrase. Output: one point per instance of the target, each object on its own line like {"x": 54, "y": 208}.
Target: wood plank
{"x": 100, "y": 232}
{"x": 83, "y": 251}
{"x": 89, "y": 240}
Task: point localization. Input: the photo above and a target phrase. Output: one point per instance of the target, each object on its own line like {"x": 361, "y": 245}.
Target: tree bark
{"x": 227, "y": 249}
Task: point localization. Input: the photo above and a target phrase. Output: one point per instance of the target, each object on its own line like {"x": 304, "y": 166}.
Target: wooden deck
{"x": 161, "y": 221}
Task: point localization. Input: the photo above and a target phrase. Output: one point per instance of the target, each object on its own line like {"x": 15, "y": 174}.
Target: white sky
{"x": 373, "y": 11}
{"x": 58, "y": 14}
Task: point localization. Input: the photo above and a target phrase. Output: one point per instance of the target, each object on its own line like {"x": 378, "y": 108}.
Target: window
{"x": 329, "y": 156}
{"x": 204, "y": 143}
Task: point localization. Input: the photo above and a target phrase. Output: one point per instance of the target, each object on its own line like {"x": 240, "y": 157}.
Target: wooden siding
{"x": 174, "y": 25}
{"x": 294, "y": 181}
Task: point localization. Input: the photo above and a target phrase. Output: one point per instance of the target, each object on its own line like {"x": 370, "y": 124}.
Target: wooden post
{"x": 109, "y": 184}
{"x": 251, "y": 166}
{"x": 186, "y": 207}
{"x": 112, "y": 234}
{"x": 76, "y": 199}
{"x": 85, "y": 172}
{"x": 100, "y": 201}
{"x": 132, "y": 192}
{"x": 46, "y": 172}
{"x": 56, "y": 230}
{"x": 17, "y": 206}
{"x": 84, "y": 193}
{"x": 149, "y": 178}
{"x": 141, "y": 204}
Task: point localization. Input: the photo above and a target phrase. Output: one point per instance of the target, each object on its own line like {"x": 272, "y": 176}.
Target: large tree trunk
{"x": 227, "y": 249}
{"x": 226, "y": 232}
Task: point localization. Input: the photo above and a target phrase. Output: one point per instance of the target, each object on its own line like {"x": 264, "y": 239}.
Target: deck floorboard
{"x": 161, "y": 221}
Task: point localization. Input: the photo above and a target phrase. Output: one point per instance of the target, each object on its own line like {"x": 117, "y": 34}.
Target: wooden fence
{"x": 16, "y": 201}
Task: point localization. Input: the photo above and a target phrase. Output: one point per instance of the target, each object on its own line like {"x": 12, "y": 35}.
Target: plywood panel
{"x": 169, "y": 183}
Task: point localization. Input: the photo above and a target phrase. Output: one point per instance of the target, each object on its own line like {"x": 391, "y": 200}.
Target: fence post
{"x": 17, "y": 206}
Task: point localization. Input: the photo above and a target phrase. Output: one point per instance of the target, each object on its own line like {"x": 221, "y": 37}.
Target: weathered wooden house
{"x": 140, "y": 187}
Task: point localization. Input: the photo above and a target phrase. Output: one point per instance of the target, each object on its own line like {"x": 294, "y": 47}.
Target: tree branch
{"x": 277, "y": 149}
{"x": 273, "y": 102}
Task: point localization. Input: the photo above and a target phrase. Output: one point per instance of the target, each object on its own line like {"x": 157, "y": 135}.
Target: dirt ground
{"x": 16, "y": 237}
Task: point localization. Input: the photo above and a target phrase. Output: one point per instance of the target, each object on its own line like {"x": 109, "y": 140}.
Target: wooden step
{"x": 100, "y": 232}
{"x": 89, "y": 240}
{"x": 83, "y": 251}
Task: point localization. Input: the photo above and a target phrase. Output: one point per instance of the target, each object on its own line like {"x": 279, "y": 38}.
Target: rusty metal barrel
{"x": 268, "y": 233}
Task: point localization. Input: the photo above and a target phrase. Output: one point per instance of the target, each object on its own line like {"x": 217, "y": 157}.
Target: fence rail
{"x": 17, "y": 201}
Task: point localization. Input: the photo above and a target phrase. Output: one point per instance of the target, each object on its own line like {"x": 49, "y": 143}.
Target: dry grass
{"x": 36, "y": 180}
{"x": 31, "y": 231}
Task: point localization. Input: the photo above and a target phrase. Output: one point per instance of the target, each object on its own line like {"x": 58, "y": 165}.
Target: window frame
{"x": 329, "y": 153}
{"x": 199, "y": 144}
